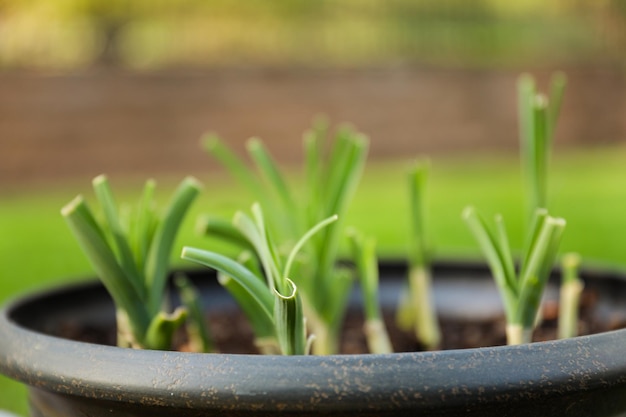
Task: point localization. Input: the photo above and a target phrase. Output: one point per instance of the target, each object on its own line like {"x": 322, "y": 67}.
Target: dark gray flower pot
{"x": 584, "y": 376}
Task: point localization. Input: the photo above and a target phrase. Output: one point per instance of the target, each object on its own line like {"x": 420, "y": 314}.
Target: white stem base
{"x": 517, "y": 335}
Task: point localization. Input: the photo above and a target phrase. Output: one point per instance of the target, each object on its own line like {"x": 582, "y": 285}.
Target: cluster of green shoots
{"x": 130, "y": 252}
{"x": 287, "y": 275}
{"x": 522, "y": 288}
{"x": 296, "y": 238}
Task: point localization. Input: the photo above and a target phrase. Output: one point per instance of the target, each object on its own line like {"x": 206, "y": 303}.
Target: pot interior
{"x": 463, "y": 293}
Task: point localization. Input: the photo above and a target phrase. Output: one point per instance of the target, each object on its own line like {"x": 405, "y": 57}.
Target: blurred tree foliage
{"x": 149, "y": 34}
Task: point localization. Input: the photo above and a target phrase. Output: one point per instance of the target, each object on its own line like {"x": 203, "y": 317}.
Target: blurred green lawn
{"x": 586, "y": 187}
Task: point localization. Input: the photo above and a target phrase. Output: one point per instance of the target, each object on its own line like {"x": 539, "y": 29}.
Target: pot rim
{"x": 242, "y": 382}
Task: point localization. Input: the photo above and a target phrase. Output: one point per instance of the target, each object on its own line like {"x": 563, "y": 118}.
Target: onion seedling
{"x": 271, "y": 300}
{"x": 364, "y": 254}
{"x": 521, "y": 291}
{"x": 330, "y": 182}
{"x": 131, "y": 258}
{"x": 416, "y": 310}
{"x": 538, "y": 115}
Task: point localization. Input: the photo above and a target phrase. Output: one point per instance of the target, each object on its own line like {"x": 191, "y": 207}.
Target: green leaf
{"x": 157, "y": 266}
{"x": 526, "y": 94}
{"x": 341, "y": 284}
{"x": 224, "y": 230}
{"x": 557, "y": 89}
{"x": 506, "y": 256}
{"x": 144, "y": 225}
{"x": 540, "y": 151}
{"x": 266, "y": 238}
{"x": 94, "y": 244}
{"x": 314, "y": 165}
{"x": 492, "y": 251}
{"x": 534, "y": 231}
{"x": 537, "y": 270}
{"x": 236, "y": 166}
{"x": 304, "y": 239}
{"x": 216, "y": 148}
{"x": 256, "y": 236}
{"x": 364, "y": 255}
{"x": 417, "y": 189}
{"x": 274, "y": 177}
{"x": 262, "y": 324}
{"x": 538, "y": 117}
{"x": 346, "y": 166}
{"x": 251, "y": 283}
{"x": 162, "y": 327}
{"x": 120, "y": 236}
{"x": 289, "y": 320}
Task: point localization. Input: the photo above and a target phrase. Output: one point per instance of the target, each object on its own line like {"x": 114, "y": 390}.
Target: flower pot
{"x": 582, "y": 376}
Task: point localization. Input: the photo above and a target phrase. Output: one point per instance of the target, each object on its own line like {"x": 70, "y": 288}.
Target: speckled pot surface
{"x": 584, "y": 376}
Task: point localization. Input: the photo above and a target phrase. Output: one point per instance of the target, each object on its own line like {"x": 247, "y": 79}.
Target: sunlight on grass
{"x": 585, "y": 188}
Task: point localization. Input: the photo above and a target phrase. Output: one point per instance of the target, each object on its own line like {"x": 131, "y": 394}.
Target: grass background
{"x": 586, "y": 187}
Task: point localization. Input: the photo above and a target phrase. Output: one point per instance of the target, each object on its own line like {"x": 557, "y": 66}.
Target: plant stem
{"x": 426, "y": 325}
{"x": 364, "y": 254}
{"x": 516, "y": 334}
{"x": 571, "y": 289}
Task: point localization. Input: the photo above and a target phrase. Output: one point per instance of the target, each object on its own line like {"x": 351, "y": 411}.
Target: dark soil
{"x": 233, "y": 334}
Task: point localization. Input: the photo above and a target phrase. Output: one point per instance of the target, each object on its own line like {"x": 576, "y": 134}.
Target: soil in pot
{"x": 233, "y": 334}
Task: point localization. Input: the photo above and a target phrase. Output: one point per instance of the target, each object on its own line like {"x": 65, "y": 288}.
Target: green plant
{"x": 416, "y": 311}
{"x": 130, "y": 252}
{"x": 538, "y": 115}
{"x": 331, "y": 177}
{"x": 521, "y": 292}
{"x": 425, "y": 319}
{"x": 288, "y": 263}
{"x": 269, "y": 297}
{"x": 364, "y": 255}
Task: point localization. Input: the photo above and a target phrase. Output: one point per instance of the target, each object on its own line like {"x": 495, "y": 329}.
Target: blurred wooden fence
{"x": 55, "y": 127}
